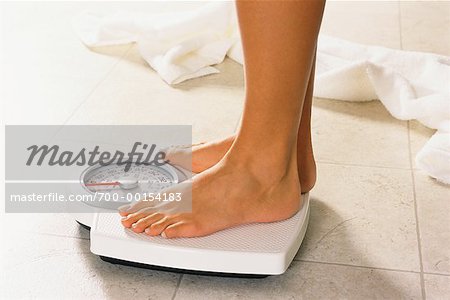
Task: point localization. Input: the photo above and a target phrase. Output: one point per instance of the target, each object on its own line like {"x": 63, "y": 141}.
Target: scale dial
{"x": 138, "y": 181}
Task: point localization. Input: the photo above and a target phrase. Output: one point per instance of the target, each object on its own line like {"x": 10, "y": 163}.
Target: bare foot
{"x": 199, "y": 157}
{"x": 203, "y": 156}
{"x": 249, "y": 198}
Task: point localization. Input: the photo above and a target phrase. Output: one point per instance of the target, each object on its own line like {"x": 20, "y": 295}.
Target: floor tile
{"x": 58, "y": 224}
{"x": 362, "y": 216}
{"x": 419, "y": 136}
{"x": 437, "y": 287}
{"x": 433, "y": 207}
{"x": 46, "y": 71}
{"x": 212, "y": 111}
{"x": 425, "y": 26}
{"x": 45, "y": 267}
{"x": 43, "y": 100}
{"x": 358, "y": 133}
{"x": 368, "y": 22}
{"x": 307, "y": 281}
{"x": 49, "y": 47}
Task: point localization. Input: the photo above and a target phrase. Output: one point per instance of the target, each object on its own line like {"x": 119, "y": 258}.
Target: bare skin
{"x": 279, "y": 41}
{"x": 202, "y": 156}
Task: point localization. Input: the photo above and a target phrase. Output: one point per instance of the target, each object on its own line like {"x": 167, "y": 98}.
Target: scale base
{"x": 249, "y": 251}
{"x": 116, "y": 261}
{"x": 88, "y": 228}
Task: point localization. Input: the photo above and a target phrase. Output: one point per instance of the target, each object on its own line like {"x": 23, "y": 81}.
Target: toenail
{"x": 163, "y": 234}
{"x": 125, "y": 218}
{"x": 134, "y": 225}
{"x": 147, "y": 230}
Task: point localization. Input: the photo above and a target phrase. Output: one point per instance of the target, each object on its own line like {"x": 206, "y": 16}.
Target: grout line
{"x": 177, "y": 287}
{"x": 97, "y": 85}
{"x": 437, "y": 274}
{"x": 360, "y": 165}
{"x": 416, "y": 214}
{"x": 356, "y": 266}
{"x": 400, "y": 25}
{"x": 60, "y": 235}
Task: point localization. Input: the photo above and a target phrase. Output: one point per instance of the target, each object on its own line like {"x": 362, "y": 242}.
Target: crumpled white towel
{"x": 177, "y": 45}
{"x": 185, "y": 45}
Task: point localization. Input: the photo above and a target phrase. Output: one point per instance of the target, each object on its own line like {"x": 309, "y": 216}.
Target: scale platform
{"x": 253, "y": 250}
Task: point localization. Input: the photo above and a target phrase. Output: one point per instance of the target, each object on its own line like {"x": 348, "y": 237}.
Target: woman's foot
{"x": 199, "y": 157}
{"x": 205, "y": 155}
{"x": 225, "y": 195}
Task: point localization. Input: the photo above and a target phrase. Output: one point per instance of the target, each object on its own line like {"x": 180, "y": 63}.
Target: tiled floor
{"x": 379, "y": 228}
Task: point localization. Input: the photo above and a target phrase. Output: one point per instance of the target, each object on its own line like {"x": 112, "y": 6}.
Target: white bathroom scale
{"x": 251, "y": 250}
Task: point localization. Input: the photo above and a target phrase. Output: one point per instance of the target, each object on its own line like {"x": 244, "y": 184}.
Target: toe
{"x": 128, "y": 209}
{"x": 130, "y": 219}
{"x": 125, "y": 210}
{"x": 182, "y": 229}
{"x": 159, "y": 226}
{"x": 147, "y": 221}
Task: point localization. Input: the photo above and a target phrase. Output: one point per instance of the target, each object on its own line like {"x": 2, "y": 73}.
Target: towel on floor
{"x": 184, "y": 45}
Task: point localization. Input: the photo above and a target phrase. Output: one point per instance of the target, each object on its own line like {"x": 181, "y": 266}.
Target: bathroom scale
{"x": 250, "y": 250}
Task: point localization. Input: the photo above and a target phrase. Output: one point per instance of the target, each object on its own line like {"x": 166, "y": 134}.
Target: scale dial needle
{"x": 102, "y": 183}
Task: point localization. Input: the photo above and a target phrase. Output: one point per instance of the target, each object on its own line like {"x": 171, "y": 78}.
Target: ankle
{"x": 267, "y": 168}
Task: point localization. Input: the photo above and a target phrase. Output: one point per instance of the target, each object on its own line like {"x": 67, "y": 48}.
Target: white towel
{"x": 185, "y": 45}
{"x": 178, "y": 45}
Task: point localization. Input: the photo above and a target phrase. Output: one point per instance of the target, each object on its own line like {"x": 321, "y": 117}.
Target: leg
{"x": 206, "y": 155}
{"x": 279, "y": 40}
{"x": 305, "y": 155}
